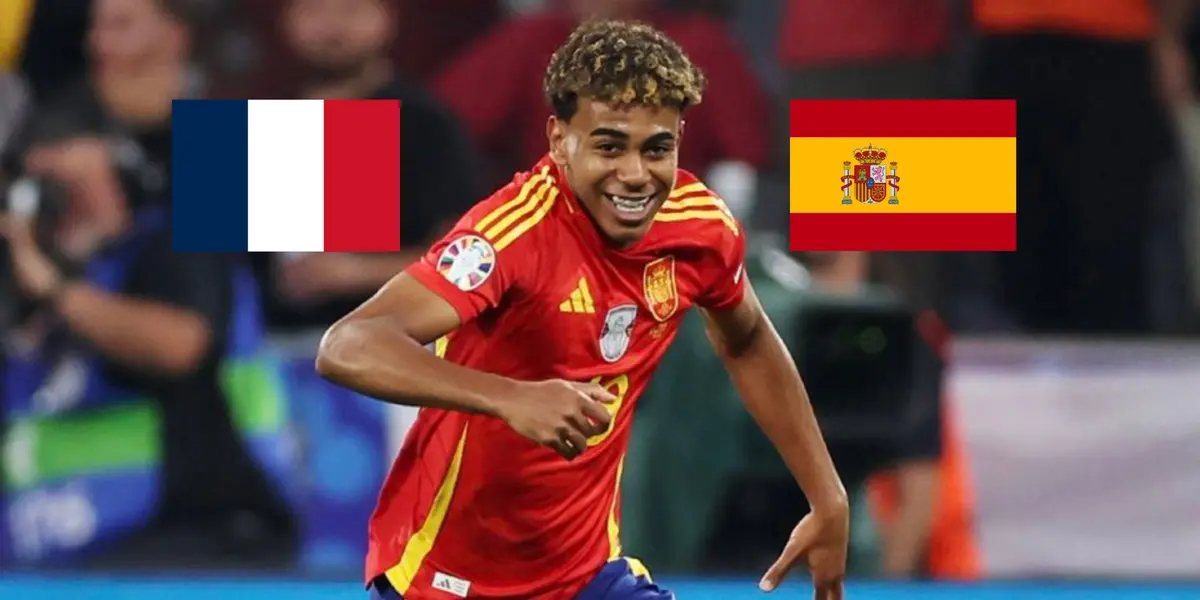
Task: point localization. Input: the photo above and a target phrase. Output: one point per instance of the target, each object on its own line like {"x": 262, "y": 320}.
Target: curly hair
{"x": 624, "y": 63}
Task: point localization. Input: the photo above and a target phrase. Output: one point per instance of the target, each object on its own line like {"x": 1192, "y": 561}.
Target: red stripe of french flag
{"x": 362, "y": 176}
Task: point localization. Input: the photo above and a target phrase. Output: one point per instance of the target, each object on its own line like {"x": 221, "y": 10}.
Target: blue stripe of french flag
{"x": 285, "y": 175}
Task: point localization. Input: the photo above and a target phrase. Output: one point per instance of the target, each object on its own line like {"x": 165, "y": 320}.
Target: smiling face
{"x": 132, "y": 34}
{"x": 619, "y": 90}
{"x": 620, "y": 161}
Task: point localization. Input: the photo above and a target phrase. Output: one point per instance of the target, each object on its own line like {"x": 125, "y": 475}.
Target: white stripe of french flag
{"x": 285, "y": 175}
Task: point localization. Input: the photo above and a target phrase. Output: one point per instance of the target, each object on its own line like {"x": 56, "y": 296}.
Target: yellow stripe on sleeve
{"x": 696, "y": 202}
{"x": 690, "y": 188}
{"x": 494, "y": 231}
{"x": 701, "y": 207}
{"x": 520, "y": 199}
{"x": 692, "y": 215}
{"x": 543, "y": 208}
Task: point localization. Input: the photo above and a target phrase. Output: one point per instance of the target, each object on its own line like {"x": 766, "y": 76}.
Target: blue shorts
{"x": 620, "y": 579}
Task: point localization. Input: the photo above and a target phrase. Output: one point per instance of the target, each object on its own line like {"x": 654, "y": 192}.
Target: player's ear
{"x": 556, "y": 136}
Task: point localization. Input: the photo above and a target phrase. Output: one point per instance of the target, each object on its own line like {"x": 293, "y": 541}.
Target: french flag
{"x": 285, "y": 175}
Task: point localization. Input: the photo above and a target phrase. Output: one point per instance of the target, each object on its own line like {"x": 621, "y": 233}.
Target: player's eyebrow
{"x": 658, "y": 138}
{"x": 609, "y": 132}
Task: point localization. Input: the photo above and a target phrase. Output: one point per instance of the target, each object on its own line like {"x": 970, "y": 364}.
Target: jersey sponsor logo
{"x": 467, "y": 262}
{"x": 662, "y": 296}
{"x": 617, "y": 331}
{"x": 451, "y": 584}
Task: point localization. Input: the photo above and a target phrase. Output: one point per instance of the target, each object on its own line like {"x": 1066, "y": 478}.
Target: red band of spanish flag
{"x": 897, "y": 175}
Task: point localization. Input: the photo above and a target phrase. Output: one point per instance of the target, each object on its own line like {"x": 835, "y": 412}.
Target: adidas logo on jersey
{"x": 451, "y": 584}
{"x": 580, "y": 300}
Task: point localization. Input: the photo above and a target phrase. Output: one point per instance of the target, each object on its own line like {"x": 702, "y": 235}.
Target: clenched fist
{"x": 559, "y": 414}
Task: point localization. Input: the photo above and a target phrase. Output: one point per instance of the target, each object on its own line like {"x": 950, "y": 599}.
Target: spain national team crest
{"x": 662, "y": 296}
{"x": 870, "y": 178}
{"x": 467, "y": 262}
{"x": 617, "y": 332}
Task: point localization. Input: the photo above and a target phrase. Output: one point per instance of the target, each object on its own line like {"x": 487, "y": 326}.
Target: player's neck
{"x": 600, "y": 235}
{"x": 359, "y": 83}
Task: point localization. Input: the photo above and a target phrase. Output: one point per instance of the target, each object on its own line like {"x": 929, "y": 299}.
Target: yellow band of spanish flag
{"x": 903, "y": 175}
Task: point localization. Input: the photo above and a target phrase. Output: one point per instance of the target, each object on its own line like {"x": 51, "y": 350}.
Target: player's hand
{"x": 820, "y": 541}
{"x": 559, "y": 414}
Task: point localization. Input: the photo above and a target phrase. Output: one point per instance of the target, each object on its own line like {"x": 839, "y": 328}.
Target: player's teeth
{"x": 632, "y": 205}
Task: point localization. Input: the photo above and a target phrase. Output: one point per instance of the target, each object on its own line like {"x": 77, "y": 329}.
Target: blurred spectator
{"x": 138, "y": 62}
{"x": 341, "y": 46}
{"x": 496, "y": 88}
{"x": 924, "y": 505}
{"x": 138, "y": 54}
{"x": 101, "y": 291}
{"x": 109, "y": 317}
{"x": 1092, "y": 79}
{"x": 428, "y": 33}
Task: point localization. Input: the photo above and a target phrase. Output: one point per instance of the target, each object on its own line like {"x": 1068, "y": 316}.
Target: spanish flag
{"x": 899, "y": 175}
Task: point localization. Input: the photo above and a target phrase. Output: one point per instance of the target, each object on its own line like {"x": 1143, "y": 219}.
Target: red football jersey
{"x": 471, "y": 508}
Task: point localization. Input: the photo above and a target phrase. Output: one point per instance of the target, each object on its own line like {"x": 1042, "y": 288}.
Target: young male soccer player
{"x": 551, "y": 303}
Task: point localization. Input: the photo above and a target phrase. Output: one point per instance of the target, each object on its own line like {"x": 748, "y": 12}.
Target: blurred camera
{"x": 23, "y": 196}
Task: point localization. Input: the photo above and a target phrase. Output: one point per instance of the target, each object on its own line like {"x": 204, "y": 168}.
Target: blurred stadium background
{"x": 1018, "y": 426}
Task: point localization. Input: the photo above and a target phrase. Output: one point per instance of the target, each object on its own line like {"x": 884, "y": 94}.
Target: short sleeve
{"x": 472, "y": 273}
{"x": 727, "y": 284}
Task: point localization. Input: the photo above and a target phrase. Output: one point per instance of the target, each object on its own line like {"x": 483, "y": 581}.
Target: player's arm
{"x": 766, "y": 377}
{"x": 379, "y": 350}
